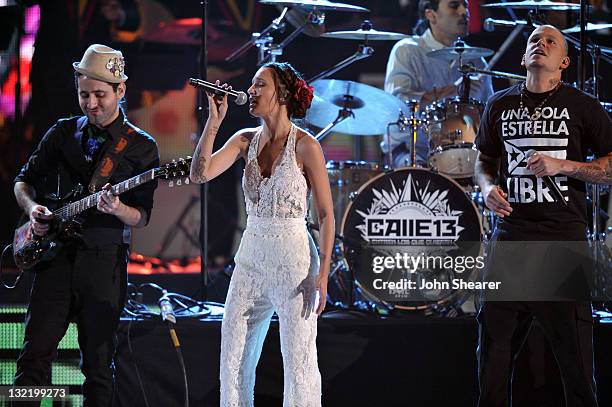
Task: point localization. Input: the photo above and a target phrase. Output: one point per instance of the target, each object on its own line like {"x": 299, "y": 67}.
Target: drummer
{"x": 412, "y": 75}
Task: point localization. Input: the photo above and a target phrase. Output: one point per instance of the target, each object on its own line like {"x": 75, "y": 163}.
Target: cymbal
{"x": 373, "y": 108}
{"x": 315, "y": 5}
{"x": 371, "y": 35}
{"x": 536, "y": 5}
{"x": 453, "y": 53}
{"x": 366, "y": 33}
{"x": 589, "y": 27}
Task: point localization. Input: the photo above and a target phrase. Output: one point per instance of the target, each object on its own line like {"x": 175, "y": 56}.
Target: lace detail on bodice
{"x": 285, "y": 193}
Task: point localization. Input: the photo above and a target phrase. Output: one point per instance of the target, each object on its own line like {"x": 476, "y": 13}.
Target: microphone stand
{"x": 167, "y": 314}
{"x": 204, "y": 186}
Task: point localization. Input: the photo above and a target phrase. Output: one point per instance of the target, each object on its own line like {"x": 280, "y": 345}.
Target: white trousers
{"x": 274, "y": 257}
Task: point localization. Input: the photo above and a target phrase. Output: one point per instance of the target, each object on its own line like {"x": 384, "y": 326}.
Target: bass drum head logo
{"x": 410, "y": 225}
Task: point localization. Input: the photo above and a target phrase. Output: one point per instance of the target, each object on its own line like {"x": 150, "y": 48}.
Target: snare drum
{"x": 345, "y": 178}
{"x": 413, "y": 228}
{"x": 452, "y": 126}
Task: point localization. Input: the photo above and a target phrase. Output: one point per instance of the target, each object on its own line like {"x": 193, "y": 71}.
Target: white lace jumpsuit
{"x": 275, "y": 255}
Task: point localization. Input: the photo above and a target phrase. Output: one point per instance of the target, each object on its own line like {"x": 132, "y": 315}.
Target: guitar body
{"x": 30, "y": 249}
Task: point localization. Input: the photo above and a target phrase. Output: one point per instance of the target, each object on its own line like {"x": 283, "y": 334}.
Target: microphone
{"x": 491, "y": 23}
{"x": 165, "y": 308}
{"x": 241, "y": 97}
{"x": 552, "y": 185}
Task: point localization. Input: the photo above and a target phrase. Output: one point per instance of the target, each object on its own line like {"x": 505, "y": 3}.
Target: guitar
{"x": 30, "y": 249}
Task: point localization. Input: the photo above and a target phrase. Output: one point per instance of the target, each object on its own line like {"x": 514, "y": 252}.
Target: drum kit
{"x": 397, "y": 215}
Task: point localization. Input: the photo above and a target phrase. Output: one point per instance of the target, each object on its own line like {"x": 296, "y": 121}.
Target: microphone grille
{"x": 489, "y": 26}
{"x": 241, "y": 98}
{"x": 530, "y": 152}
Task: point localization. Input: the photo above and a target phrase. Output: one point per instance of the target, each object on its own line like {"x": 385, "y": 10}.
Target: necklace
{"x": 537, "y": 112}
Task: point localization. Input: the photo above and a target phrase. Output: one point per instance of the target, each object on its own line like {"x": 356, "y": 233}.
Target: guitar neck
{"x": 74, "y": 208}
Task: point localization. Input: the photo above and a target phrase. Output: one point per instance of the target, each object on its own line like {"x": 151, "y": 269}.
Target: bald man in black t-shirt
{"x": 537, "y": 129}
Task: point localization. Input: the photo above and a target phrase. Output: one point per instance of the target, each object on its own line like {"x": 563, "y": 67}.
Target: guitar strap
{"x": 110, "y": 160}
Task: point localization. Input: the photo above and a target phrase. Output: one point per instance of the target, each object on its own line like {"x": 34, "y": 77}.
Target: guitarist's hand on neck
{"x": 110, "y": 204}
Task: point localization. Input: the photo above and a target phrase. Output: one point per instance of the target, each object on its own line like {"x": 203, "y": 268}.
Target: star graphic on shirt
{"x": 515, "y": 156}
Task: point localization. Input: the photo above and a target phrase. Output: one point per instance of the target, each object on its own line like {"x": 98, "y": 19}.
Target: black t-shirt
{"x": 571, "y": 125}
{"x": 59, "y": 163}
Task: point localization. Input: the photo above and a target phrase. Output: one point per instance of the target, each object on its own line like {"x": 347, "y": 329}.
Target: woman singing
{"x": 277, "y": 268}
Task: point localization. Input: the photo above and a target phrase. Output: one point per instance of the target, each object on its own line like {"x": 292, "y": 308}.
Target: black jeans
{"x": 503, "y": 328}
{"x": 85, "y": 285}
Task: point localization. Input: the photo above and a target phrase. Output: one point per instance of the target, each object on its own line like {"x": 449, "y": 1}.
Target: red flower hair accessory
{"x": 303, "y": 94}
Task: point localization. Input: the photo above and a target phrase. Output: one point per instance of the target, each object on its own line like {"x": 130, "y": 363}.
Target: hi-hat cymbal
{"x": 373, "y": 108}
{"x": 315, "y": 5}
{"x": 453, "y": 53}
{"x": 536, "y": 5}
{"x": 589, "y": 27}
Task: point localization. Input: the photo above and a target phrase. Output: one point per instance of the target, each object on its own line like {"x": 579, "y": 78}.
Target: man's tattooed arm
{"x": 202, "y": 154}
{"x": 598, "y": 171}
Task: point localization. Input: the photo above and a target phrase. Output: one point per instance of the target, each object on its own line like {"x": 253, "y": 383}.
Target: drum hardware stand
{"x": 414, "y": 127}
{"x": 586, "y": 46}
{"x": 343, "y": 114}
{"x": 179, "y": 226}
{"x": 363, "y": 51}
{"x": 268, "y": 51}
{"x": 403, "y": 122}
{"x": 464, "y": 91}
{"x": 496, "y": 74}
{"x": 261, "y": 39}
{"x": 338, "y": 268}
{"x": 505, "y": 45}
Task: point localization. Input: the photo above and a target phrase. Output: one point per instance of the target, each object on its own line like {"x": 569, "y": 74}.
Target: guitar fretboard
{"x": 73, "y": 209}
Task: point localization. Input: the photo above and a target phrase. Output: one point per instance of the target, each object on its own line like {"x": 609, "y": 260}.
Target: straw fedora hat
{"x": 102, "y": 63}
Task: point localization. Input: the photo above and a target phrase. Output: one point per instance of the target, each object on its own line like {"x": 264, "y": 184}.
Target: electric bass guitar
{"x": 30, "y": 249}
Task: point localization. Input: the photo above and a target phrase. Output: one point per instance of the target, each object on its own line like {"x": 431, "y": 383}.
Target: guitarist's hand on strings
{"x": 108, "y": 202}
{"x": 39, "y": 219}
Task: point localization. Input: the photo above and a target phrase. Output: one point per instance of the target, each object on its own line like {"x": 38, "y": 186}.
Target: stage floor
{"x": 364, "y": 361}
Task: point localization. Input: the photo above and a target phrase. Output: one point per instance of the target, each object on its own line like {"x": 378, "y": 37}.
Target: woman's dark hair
{"x": 291, "y": 88}
{"x": 423, "y": 24}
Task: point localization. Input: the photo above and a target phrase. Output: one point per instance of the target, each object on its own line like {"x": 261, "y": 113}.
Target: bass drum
{"x": 411, "y": 235}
